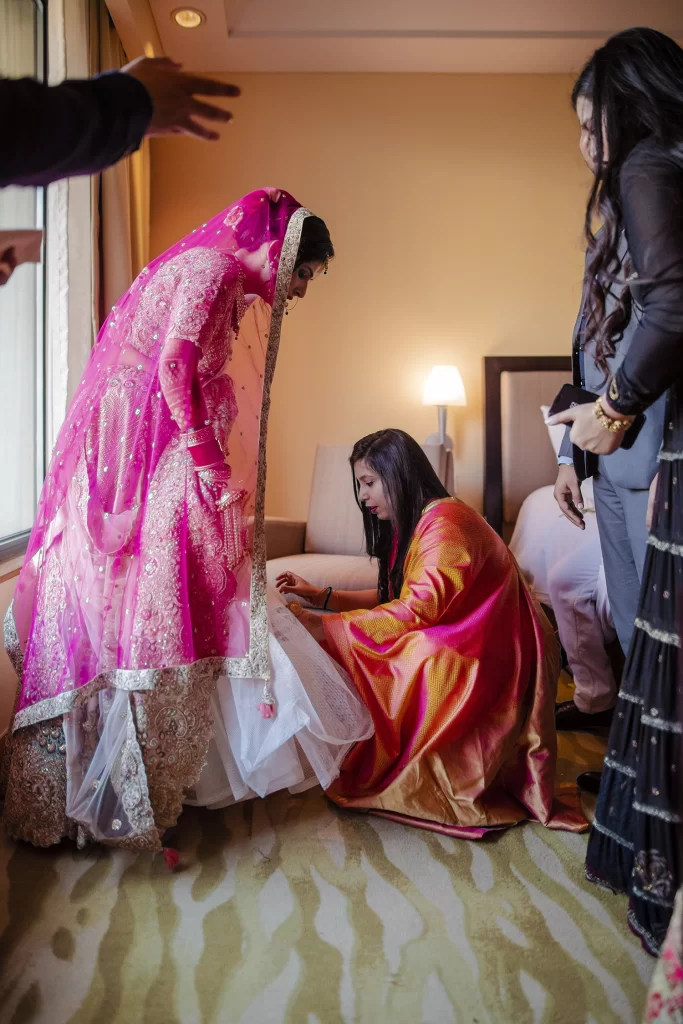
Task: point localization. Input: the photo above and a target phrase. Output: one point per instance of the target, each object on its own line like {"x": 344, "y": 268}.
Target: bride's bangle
{"x": 607, "y": 422}
{"x": 200, "y": 436}
{"x": 327, "y": 598}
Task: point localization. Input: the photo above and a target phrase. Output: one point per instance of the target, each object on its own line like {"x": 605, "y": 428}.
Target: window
{"x": 22, "y": 301}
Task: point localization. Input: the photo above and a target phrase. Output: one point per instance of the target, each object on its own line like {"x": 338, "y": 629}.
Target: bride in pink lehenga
{"x": 154, "y": 667}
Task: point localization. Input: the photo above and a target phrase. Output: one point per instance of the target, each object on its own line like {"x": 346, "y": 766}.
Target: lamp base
{"x": 436, "y": 438}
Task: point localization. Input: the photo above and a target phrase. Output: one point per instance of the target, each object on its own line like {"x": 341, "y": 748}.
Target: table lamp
{"x": 444, "y": 387}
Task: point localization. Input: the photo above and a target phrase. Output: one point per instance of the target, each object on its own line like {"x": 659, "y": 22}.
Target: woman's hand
{"x": 214, "y": 480}
{"x": 313, "y": 623}
{"x": 568, "y": 495}
{"x": 587, "y": 432}
{"x": 651, "y": 502}
{"x": 290, "y": 583}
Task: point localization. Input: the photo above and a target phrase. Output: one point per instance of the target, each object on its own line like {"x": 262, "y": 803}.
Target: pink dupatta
{"x": 133, "y": 566}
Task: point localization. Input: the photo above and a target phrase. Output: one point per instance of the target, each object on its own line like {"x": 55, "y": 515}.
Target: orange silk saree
{"x": 460, "y": 675}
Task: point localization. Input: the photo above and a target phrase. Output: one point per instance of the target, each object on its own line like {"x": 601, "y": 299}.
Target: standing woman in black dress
{"x": 635, "y": 86}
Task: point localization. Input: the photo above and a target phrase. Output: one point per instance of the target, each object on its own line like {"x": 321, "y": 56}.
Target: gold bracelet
{"x": 614, "y": 426}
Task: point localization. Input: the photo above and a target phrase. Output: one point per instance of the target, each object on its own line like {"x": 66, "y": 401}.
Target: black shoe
{"x": 568, "y": 717}
{"x": 589, "y": 782}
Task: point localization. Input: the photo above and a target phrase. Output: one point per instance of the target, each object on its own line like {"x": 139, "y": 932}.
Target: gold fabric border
{"x": 256, "y": 664}
{"x": 131, "y": 680}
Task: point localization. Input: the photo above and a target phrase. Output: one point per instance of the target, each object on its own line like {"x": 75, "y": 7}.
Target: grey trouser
{"x": 621, "y": 515}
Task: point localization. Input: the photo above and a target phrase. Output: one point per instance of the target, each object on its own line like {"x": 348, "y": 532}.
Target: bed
{"x": 520, "y": 473}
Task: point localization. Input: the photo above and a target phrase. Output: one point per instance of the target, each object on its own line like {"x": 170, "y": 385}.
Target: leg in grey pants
{"x": 621, "y": 517}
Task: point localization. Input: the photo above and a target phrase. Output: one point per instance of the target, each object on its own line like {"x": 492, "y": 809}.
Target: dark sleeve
{"x": 652, "y": 202}
{"x": 78, "y": 127}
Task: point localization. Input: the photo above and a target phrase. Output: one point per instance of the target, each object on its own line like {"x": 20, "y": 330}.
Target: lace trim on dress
{"x": 619, "y": 767}
{"x": 657, "y": 812}
{"x": 665, "y": 545}
{"x": 665, "y": 724}
{"x": 255, "y": 665}
{"x": 611, "y": 835}
{"x": 662, "y": 635}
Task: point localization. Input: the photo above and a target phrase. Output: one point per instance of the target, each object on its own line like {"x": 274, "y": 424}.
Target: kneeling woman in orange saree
{"x": 455, "y": 661}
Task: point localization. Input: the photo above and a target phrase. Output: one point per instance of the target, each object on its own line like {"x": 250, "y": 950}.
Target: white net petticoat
{"x": 319, "y": 717}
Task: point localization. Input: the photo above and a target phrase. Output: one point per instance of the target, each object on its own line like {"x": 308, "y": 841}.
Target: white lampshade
{"x": 444, "y": 387}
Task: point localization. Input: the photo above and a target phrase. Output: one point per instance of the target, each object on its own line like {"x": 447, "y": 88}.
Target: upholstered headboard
{"x": 335, "y": 526}
{"x": 518, "y": 454}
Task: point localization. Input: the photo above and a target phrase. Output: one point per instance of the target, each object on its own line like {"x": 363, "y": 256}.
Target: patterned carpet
{"x": 289, "y": 910}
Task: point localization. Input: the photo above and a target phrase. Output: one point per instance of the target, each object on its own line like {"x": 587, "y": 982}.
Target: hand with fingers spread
{"x": 290, "y": 583}
{"x": 173, "y": 93}
{"x": 568, "y": 496}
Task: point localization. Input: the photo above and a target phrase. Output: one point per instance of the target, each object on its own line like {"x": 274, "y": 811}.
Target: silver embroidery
{"x": 637, "y": 928}
{"x": 133, "y": 779}
{"x": 665, "y": 545}
{"x": 654, "y": 874}
{"x": 657, "y": 812}
{"x": 612, "y": 835}
{"x": 131, "y": 680}
{"x": 630, "y": 697}
{"x": 666, "y": 725}
{"x": 661, "y": 635}
{"x": 256, "y": 664}
{"x": 657, "y": 900}
{"x": 619, "y": 767}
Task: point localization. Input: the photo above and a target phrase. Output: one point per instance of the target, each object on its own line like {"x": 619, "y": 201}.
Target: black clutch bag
{"x": 586, "y": 463}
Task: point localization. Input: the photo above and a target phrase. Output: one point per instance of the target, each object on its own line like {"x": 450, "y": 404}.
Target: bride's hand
{"x": 311, "y": 622}
{"x": 215, "y": 478}
{"x": 290, "y": 583}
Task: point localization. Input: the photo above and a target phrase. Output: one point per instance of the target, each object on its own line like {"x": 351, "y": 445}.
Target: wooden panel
{"x": 494, "y": 366}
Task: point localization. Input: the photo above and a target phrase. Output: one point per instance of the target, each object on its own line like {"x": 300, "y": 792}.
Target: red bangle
{"x": 201, "y": 436}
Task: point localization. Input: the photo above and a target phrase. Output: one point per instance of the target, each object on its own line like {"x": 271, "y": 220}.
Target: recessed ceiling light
{"x": 188, "y": 17}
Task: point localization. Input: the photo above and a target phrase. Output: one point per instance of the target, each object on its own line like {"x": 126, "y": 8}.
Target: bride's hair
{"x": 315, "y": 245}
{"x": 409, "y": 483}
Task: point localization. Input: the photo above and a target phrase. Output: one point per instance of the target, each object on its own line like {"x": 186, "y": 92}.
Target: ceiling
{"x": 388, "y": 35}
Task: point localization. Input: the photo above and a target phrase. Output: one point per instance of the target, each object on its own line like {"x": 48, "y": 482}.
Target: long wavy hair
{"x": 409, "y": 483}
{"x": 635, "y": 85}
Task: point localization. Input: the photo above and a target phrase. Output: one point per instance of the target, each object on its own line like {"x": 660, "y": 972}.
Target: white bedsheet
{"x": 563, "y": 565}
{"x": 541, "y": 533}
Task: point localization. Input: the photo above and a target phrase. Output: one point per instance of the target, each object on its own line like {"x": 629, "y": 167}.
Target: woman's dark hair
{"x": 409, "y": 483}
{"x": 635, "y": 85}
{"x": 315, "y": 245}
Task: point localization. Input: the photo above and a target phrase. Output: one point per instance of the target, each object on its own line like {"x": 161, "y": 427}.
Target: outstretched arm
{"x": 319, "y": 597}
{"x": 78, "y": 127}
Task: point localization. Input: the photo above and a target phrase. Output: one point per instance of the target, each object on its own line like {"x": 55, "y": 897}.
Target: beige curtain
{"x": 120, "y": 194}
{"x": 20, "y": 419}
{"x": 97, "y": 229}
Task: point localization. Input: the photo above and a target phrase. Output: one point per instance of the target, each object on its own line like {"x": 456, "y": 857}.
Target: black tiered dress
{"x": 634, "y": 843}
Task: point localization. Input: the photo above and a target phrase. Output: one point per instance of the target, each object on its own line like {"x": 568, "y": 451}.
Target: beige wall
{"x": 455, "y": 203}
